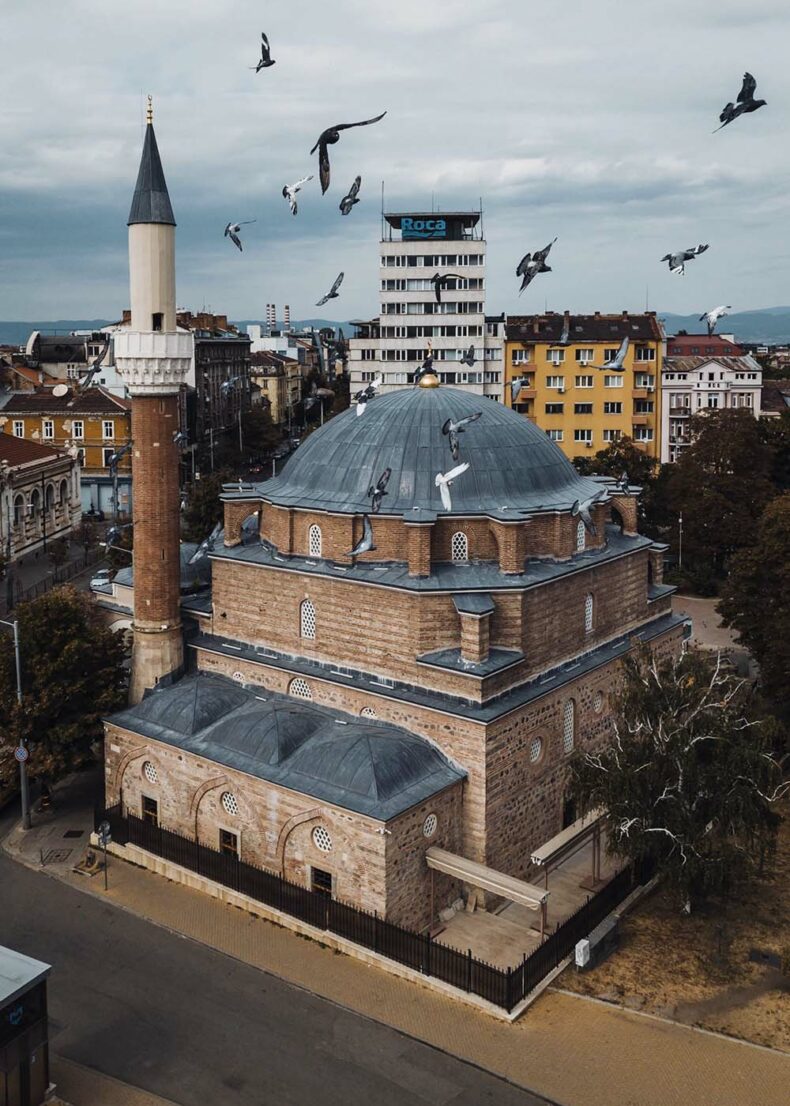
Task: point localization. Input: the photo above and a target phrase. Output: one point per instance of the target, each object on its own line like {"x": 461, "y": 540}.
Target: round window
{"x": 430, "y": 825}
{"x": 238, "y": 677}
{"x": 598, "y": 702}
{"x": 150, "y": 772}
{"x": 229, "y": 803}
{"x": 322, "y": 839}
{"x": 300, "y": 689}
{"x": 368, "y": 712}
{"x": 535, "y": 750}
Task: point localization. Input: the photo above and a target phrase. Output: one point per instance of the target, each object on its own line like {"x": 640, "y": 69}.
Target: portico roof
{"x": 487, "y": 879}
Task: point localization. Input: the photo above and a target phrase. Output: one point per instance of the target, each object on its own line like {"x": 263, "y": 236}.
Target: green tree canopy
{"x": 688, "y": 780}
{"x": 622, "y": 456}
{"x": 203, "y": 508}
{"x": 756, "y": 597}
{"x": 73, "y": 674}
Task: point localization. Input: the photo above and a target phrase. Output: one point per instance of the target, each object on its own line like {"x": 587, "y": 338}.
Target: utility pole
{"x": 20, "y": 753}
{"x": 680, "y": 540}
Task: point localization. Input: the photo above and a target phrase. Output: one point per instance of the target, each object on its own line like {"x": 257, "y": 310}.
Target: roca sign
{"x": 423, "y": 228}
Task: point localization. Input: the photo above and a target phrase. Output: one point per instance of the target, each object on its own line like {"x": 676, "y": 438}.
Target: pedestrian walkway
{"x": 80, "y": 1086}
{"x": 570, "y": 1049}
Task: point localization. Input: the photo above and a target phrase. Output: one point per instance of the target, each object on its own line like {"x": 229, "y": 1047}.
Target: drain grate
{"x": 57, "y": 856}
{"x": 74, "y": 833}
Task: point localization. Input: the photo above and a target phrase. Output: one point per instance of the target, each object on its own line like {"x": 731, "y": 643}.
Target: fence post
{"x": 469, "y": 969}
{"x": 375, "y": 931}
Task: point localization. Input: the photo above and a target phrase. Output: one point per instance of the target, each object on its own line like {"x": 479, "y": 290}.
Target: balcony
{"x": 682, "y": 412}
{"x": 525, "y": 394}
{"x": 640, "y": 420}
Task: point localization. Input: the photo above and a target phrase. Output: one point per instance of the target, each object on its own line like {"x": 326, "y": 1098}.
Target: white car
{"x": 102, "y": 578}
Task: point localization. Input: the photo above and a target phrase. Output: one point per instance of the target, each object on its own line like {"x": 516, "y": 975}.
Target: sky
{"x": 591, "y": 122}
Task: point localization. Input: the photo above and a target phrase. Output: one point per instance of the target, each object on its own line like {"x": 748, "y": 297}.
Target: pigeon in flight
{"x": 531, "y": 264}
{"x": 746, "y": 102}
{"x": 266, "y": 55}
{"x": 232, "y": 231}
{"x": 206, "y": 546}
{"x": 444, "y": 480}
{"x": 713, "y": 316}
{"x": 180, "y": 438}
{"x": 618, "y": 360}
{"x": 623, "y": 484}
{"x": 365, "y": 543}
{"x": 328, "y": 138}
{"x": 425, "y": 368}
{"x": 440, "y": 282}
{"x": 377, "y": 491}
{"x": 677, "y": 261}
{"x": 453, "y": 429}
{"x": 363, "y": 396}
{"x": 515, "y": 389}
{"x": 351, "y": 197}
{"x": 290, "y": 190}
{"x": 582, "y": 510}
{"x": 332, "y": 293}
{"x": 469, "y": 358}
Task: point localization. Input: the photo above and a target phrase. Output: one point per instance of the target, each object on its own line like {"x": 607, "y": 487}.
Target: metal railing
{"x": 12, "y": 596}
{"x": 504, "y": 987}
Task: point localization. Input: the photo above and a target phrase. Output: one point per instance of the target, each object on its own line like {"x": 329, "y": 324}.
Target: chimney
{"x": 287, "y": 317}
{"x": 625, "y": 314}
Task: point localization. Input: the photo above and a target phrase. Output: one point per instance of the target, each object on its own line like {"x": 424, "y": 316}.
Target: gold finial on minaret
{"x": 149, "y": 111}
{"x": 429, "y": 380}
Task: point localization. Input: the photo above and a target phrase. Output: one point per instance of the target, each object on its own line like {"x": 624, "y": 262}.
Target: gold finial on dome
{"x": 149, "y": 111}
{"x": 428, "y": 380}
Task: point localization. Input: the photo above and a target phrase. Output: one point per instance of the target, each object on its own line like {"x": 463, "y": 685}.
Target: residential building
{"x": 693, "y": 385}
{"x": 279, "y": 379}
{"x": 39, "y": 495}
{"x": 557, "y": 361}
{"x": 684, "y": 344}
{"x": 24, "y": 1030}
{"x": 94, "y": 422}
{"x": 413, "y": 324}
{"x": 775, "y": 399}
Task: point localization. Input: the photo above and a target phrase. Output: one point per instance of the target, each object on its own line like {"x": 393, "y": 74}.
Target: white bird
{"x": 516, "y": 384}
{"x": 616, "y": 362}
{"x": 582, "y": 510}
{"x": 444, "y": 480}
{"x": 290, "y": 190}
{"x": 453, "y": 429}
{"x": 363, "y": 396}
{"x": 232, "y": 231}
{"x": 206, "y": 546}
{"x": 677, "y": 260}
{"x": 713, "y": 316}
{"x": 365, "y": 543}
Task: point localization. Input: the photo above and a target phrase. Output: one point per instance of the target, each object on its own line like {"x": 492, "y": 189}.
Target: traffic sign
{"x": 21, "y": 753}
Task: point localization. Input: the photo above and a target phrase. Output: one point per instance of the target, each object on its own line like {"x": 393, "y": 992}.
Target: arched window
{"x": 300, "y": 689}
{"x": 35, "y": 503}
{"x": 568, "y": 725}
{"x": 314, "y": 541}
{"x": 581, "y": 536}
{"x": 307, "y": 619}
{"x": 459, "y": 547}
{"x": 588, "y": 614}
{"x": 64, "y": 492}
{"x": 19, "y": 510}
{"x": 50, "y": 497}
{"x": 368, "y": 712}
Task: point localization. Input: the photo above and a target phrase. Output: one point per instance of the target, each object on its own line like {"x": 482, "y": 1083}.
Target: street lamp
{"x": 20, "y": 753}
{"x": 225, "y": 388}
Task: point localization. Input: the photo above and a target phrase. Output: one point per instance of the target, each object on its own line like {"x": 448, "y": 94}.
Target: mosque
{"x": 340, "y": 713}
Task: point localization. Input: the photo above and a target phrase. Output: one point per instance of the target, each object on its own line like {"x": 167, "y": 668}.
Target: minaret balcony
{"x": 153, "y": 362}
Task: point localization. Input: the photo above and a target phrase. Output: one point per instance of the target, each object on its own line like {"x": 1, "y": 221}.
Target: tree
{"x": 203, "y": 508}
{"x": 756, "y": 598}
{"x": 58, "y": 552}
{"x": 776, "y": 435}
{"x": 87, "y": 533}
{"x": 720, "y": 485}
{"x": 259, "y": 433}
{"x": 623, "y": 456}
{"x": 689, "y": 782}
{"x": 73, "y": 675}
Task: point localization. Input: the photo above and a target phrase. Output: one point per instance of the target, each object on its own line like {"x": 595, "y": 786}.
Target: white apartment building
{"x": 414, "y": 246}
{"x": 693, "y": 385}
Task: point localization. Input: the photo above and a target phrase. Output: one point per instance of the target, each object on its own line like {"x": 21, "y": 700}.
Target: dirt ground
{"x": 697, "y": 969}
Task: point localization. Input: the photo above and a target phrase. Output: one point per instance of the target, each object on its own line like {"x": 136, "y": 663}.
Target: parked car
{"x": 102, "y": 578}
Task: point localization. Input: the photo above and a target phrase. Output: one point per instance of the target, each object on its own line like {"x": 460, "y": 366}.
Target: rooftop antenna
{"x": 647, "y": 297}
{"x": 149, "y": 111}
{"x": 482, "y": 231}
{"x": 432, "y": 207}
{"x": 382, "y": 211}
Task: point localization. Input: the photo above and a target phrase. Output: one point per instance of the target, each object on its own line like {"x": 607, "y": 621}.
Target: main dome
{"x": 513, "y": 464}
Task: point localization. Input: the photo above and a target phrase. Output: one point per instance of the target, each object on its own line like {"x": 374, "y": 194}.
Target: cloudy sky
{"x": 589, "y": 121}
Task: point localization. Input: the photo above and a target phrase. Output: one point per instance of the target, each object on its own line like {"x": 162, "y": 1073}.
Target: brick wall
{"x": 235, "y": 513}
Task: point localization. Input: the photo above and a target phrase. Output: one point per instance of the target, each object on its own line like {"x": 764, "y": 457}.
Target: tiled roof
{"x": 775, "y": 396}
{"x": 93, "y": 401}
{"x": 691, "y": 364}
{"x": 584, "y": 328}
{"x": 20, "y": 451}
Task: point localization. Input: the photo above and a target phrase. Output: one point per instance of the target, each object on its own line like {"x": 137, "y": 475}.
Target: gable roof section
{"x": 93, "y": 401}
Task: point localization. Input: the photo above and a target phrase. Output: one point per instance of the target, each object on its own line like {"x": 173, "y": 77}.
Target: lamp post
{"x": 680, "y": 540}
{"x": 20, "y": 752}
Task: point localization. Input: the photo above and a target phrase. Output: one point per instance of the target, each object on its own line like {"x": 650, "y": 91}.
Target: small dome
{"x": 191, "y": 705}
{"x": 268, "y": 732}
{"x": 512, "y": 463}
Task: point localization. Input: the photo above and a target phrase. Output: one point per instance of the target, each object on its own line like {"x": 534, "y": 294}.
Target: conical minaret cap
{"x": 151, "y": 202}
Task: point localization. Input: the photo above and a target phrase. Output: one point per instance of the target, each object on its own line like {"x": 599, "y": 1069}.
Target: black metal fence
{"x": 12, "y": 593}
{"x": 504, "y": 987}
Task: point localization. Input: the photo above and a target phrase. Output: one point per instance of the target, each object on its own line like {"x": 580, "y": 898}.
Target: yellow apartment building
{"x": 554, "y": 376}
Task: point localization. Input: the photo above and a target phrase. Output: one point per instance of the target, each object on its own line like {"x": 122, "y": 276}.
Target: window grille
{"x": 314, "y": 545}
{"x": 300, "y": 689}
{"x": 430, "y": 825}
{"x": 535, "y": 749}
{"x": 307, "y": 619}
{"x": 229, "y": 803}
{"x": 568, "y": 725}
{"x": 459, "y": 547}
{"x": 150, "y": 772}
{"x": 368, "y": 712}
{"x": 588, "y": 614}
{"x": 581, "y": 539}
{"x": 598, "y": 702}
{"x": 322, "y": 839}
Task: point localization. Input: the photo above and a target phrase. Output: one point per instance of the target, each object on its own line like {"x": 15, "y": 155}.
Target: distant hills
{"x": 766, "y": 324}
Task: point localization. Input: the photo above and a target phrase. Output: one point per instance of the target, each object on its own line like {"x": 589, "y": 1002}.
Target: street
{"x": 180, "y": 1020}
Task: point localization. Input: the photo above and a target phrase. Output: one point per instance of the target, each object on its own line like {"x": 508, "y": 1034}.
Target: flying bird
{"x": 180, "y": 437}
{"x": 582, "y": 510}
{"x": 351, "y": 197}
{"x": 617, "y": 361}
{"x": 515, "y": 388}
{"x": 377, "y": 491}
{"x": 469, "y": 358}
{"x": 266, "y": 55}
{"x": 367, "y": 394}
{"x": 444, "y": 480}
{"x": 332, "y": 293}
{"x": 206, "y": 546}
{"x": 232, "y": 231}
{"x": 425, "y": 368}
{"x": 328, "y": 138}
{"x": 453, "y": 429}
{"x": 712, "y": 317}
{"x": 746, "y": 102}
{"x": 290, "y": 190}
{"x": 623, "y": 484}
{"x": 677, "y": 261}
{"x": 440, "y": 282}
{"x": 365, "y": 543}
{"x": 531, "y": 264}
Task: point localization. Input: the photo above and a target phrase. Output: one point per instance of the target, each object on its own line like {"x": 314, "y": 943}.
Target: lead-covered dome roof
{"x": 513, "y": 464}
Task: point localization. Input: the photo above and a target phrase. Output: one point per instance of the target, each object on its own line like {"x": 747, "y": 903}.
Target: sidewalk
{"x": 573, "y": 1050}
{"x": 79, "y": 1086}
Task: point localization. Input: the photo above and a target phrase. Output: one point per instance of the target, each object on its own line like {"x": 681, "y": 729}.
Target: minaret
{"x": 153, "y": 359}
